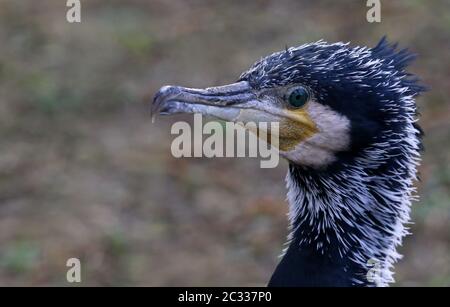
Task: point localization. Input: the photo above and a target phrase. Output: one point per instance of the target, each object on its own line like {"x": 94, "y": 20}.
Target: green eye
{"x": 298, "y": 97}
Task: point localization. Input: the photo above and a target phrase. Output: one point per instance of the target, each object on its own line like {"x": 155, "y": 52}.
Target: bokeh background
{"x": 84, "y": 173}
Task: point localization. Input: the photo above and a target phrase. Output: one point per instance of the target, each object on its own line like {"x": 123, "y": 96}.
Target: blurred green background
{"x": 84, "y": 173}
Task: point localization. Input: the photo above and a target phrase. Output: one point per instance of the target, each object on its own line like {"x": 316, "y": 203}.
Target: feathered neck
{"x": 347, "y": 222}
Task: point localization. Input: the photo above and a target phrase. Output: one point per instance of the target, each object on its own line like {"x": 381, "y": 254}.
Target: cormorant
{"x": 347, "y": 118}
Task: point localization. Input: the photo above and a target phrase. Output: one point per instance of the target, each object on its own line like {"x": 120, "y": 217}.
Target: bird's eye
{"x": 298, "y": 97}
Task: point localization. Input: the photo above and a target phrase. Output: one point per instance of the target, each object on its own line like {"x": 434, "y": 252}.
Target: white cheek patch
{"x": 333, "y": 136}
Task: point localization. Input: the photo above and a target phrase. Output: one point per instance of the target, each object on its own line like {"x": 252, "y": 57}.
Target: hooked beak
{"x": 239, "y": 103}
{"x": 223, "y": 102}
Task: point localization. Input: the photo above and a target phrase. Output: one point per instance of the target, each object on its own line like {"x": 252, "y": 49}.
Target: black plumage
{"x": 349, "y": 200}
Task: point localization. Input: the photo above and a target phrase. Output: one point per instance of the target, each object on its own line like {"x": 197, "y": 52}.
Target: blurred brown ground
{"x": 83, "y": 172}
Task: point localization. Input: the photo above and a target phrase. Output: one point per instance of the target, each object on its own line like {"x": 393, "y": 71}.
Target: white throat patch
{"x": 333, "y": 136}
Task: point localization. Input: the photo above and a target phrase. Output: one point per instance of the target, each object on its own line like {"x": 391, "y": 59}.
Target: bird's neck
{"x": 345, "y": 226}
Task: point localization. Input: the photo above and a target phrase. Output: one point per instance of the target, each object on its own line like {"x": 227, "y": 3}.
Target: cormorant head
{"x": 332, "y": 101}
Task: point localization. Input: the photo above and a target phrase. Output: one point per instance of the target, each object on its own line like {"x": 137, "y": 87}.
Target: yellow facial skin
{"x": 294, "y": 127}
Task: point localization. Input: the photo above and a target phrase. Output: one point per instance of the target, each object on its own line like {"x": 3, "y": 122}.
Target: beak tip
{"x": 170, "y": 99}
{"x": 158, "y": 100}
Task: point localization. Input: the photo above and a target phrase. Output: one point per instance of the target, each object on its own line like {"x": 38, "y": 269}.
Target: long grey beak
{"x": 216, "y": 101}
